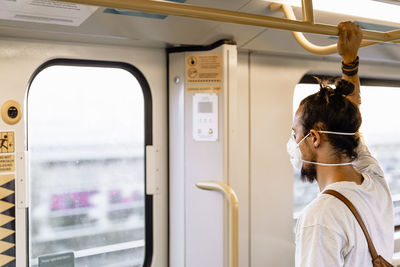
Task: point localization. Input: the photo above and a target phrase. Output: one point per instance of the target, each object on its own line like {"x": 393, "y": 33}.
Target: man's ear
{"x": 315, "y": 138}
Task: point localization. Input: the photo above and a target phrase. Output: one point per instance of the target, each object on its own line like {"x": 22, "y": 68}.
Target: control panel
{"x": 205, "y": 117}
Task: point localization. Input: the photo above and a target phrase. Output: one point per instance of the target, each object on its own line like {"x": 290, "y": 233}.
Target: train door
{"x": 84, "y": 130}
{"x": 201, "y": 88}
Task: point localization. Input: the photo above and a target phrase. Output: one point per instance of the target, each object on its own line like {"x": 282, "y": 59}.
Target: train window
{"x": 381, "y": 129}
{"x": 86, "y": 142}
{"x": 304, "y": 193}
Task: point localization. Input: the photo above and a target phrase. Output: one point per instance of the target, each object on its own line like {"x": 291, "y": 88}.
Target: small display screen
{"x": 205, "y": 107}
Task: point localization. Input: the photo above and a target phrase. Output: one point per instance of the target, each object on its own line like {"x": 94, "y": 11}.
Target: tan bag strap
{"x": 371, "y": 246}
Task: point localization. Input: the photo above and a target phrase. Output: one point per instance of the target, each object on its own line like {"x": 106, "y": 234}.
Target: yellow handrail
{"x": 393, "y": 35}
{"x": 185, "y": 10}
{"x": 302, "y": 40}
{"x": 230, "y": 195}
{"x": 308, "y": 12}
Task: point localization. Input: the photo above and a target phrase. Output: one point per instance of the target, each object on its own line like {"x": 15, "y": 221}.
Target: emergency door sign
{"x": 203, "y": 73}
{"x": 7, "y": 198}
{"x": 7, "y": 152}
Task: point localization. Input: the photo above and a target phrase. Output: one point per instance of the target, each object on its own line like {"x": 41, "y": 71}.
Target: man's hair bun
{"x": 344, "y": 87}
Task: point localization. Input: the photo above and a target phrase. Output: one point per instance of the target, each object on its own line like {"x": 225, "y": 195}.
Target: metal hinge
{"x": 152, "y": 170}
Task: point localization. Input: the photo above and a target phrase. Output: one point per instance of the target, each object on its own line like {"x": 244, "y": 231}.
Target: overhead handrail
{"x": 300, "y": 38}
{"x": 393, "y": 35}
{"x": 230, "y": 195}
{"x": 185, "y": 10}
{"x": 308, "y": 11}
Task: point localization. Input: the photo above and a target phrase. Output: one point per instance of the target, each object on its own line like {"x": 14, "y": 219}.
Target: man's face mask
{"x": 294, "y": 151}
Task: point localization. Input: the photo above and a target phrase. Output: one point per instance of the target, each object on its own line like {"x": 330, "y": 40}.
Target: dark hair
{"x": 330, "y": 110}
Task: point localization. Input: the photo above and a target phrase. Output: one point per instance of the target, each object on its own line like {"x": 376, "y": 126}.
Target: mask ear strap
{"x": 328, "y": 164}
{"x": 303, "y": 139}
{"x": 338, "y": 133}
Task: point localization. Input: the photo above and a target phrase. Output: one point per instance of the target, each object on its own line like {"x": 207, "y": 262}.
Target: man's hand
{"x": 350, "y": 37}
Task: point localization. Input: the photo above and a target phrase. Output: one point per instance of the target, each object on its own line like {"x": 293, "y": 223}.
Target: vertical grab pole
{"x": 230, "y": 195}
{"x": 308, "y": 12}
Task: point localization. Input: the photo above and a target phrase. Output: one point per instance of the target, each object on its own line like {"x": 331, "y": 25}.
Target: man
{"x": 331, "y": 151}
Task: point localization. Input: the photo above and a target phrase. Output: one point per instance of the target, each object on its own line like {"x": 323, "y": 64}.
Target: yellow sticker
{"x": 4, "y": 192}
{"x": 5, "y": 246}
{"x": 5, "y": 219}
{"x": 3, "y": 207}
{"x": 204, "y": 73}
{"x": 7, "y": 144}
{"x": 205, "y": 88}
{"x": 5, "y": 178}
{"x": 4, "y": 259}
{"x": 4, "y": 232}
{"x": 7, "y": 163}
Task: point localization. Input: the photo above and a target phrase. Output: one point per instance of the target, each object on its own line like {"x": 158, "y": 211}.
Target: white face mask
{"x": 293, "y": 149}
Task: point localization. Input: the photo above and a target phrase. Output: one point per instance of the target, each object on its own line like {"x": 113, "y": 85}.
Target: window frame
{"x": 148, "y": 134}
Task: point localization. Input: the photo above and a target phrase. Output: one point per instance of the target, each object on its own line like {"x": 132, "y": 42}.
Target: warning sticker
{"x": 7, "y": 142}
{"x": 7, "y": 163}
{"x": 206, "y": 88}
{"x": 64, "y": 260}
{"x": 204, "y": 73}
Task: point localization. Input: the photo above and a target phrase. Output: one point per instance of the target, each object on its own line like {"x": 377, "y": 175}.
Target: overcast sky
{"x": 85, "y": 105}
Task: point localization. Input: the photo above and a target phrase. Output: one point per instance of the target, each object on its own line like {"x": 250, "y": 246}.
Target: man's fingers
{"x": 345, "y": 36}
{"x": 359, "y": 31}
{"x": 341, "y": 27}
{"x": 348, "y": 29}
{"x": 342, "y": 30}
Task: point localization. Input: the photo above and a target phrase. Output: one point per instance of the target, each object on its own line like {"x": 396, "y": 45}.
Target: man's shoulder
{"x": 324, "y": 217}
{"x": 365, "y": 162}
{"x": 326, "y": 211}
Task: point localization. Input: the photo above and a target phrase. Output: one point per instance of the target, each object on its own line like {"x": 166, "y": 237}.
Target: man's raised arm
{"x": 350, "y": 37}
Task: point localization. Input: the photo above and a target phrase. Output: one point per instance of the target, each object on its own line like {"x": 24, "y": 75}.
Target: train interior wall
{"x": 260, "y": 118}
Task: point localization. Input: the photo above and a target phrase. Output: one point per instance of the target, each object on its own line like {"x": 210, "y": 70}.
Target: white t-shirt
{"x": 327, "y": 233}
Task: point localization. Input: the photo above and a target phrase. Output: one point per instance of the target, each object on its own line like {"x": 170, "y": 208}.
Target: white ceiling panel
{"x": 273, "y": 40}
{"x": 239, "y": 33}
{"x": 242, "y": 34}
{"x": 119, "y": 28}
{"x": 14, "y": 32}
